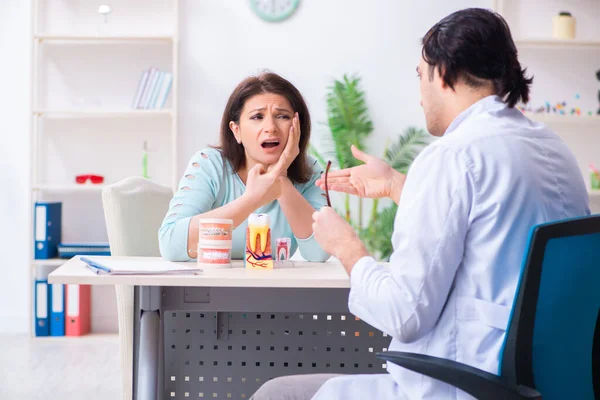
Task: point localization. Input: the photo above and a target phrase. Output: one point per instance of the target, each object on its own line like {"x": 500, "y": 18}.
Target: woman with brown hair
{"x": 260, "y": 166}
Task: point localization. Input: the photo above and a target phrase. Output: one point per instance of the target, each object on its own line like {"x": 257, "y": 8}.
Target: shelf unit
{"x": 137, "y": 35}
{"x": 102, "y": 113}
{"x": 567, "y": 119}
{"x": 536, "y": 41}
{"x": 87, "y": 187}
{"x": 55, "y": 262}
{"x": 542, "y": 44}
{"x": 557, "y": 44}
{"x": 110, "y": 39}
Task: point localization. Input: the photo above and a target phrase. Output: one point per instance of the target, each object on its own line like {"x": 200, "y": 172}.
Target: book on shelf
{"x": 140, "y": 89}
{"x": 153, "y": 89}
{"x": 69, "y": 250}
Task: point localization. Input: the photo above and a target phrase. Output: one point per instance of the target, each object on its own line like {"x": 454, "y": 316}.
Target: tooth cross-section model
{"x": 258, "y": 242}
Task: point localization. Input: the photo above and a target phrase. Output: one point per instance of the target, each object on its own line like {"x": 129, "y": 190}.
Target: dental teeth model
{"x": 283, "y": 248}
{"x": 258, "y": 242}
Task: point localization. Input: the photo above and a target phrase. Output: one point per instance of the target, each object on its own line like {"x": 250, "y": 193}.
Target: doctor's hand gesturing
{"x": 374, "y": 179}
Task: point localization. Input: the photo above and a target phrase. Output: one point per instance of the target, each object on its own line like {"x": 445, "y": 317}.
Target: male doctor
{"x": 464, "y": 213}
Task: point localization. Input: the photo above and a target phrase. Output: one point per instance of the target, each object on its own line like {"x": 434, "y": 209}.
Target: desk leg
{"x": 148, "y": 371}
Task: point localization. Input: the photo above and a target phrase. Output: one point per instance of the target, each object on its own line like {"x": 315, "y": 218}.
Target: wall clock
{"x": 274, "y": 10}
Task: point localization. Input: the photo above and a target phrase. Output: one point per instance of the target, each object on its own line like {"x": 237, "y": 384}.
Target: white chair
{"x": 133, "y": 209}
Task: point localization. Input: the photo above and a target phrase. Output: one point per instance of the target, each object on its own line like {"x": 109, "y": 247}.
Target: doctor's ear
{"x": 235, "y": 128}
{"x": 439, "y": 74}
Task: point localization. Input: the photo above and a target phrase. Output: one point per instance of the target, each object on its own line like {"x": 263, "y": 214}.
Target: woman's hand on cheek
{"x": 262, "y": 187}
{"x": 291, "y": 150}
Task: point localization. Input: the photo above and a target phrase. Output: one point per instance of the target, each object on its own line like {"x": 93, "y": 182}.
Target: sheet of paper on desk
{"x": 141, "y": 266}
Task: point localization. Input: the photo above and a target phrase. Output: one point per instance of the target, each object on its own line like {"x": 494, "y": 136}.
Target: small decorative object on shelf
{"x": 95, "y": 179}
{"x": 559, "y": 108}
{"x": 145, "y": 160}
{"x": 563, "y": 26}
{"x": 598, "y": 77}
{"x": 103, "y": 10}
{"x": 594, "y": 177}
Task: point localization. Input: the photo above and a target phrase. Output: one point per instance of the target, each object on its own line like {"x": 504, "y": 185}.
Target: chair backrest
{"x": 553, "y": 340}
{"x": 134, "y": 209}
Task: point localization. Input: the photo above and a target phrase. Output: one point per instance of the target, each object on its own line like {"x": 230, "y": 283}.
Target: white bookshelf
{"x": 86, "y": 187}
{"x": 52, "y": 261}
{"x": 565, "y": 68}
{"x": 104, "y": 39}
{"x": 85, "y": 73}
{"x": 103, "y": 113}
{"x": 557, "y": 44}
{"x": 566, "y": 119}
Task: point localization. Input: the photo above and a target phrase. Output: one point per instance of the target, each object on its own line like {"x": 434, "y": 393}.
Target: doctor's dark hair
{"x": 476, "y": 45}
{"x": 300, "y": 171}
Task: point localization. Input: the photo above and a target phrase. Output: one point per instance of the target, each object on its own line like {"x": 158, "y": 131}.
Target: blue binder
{"x": 42, "y": 321}
{"x": 47, "y": 229}
{"x": 57, "y": 309}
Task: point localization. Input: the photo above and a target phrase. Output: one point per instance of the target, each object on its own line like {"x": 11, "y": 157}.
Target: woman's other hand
{"x": 262, "y": 187}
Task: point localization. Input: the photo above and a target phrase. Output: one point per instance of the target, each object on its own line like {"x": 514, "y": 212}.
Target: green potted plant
{"x": 349, "y": 124}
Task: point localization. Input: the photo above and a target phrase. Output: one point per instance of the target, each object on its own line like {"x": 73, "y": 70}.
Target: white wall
{"x": 221, "y": 43}
{"x": 14, "y": 165}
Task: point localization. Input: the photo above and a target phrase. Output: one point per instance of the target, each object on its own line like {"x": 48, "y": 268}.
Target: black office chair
{"x": 552, "y": 347}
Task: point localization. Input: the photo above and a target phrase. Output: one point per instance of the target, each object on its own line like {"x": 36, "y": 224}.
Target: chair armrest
{"x": 479, "y": 384}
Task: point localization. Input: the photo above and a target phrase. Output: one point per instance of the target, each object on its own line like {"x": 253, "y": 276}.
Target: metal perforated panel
{"x": 229, "y": 355}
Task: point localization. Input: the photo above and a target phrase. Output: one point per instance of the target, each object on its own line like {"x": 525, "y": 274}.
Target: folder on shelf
{"x": 57, "y": 309}
{"x": 107, "y": 266}
{"x": 78, "y": 309}
{"x": 42, "y": 323}
{"x": 41, "y": 298}
{"x": 47, "y": 229}
{"x": 69, "y": 250}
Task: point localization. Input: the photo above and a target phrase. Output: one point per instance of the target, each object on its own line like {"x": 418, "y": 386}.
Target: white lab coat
{"x": 468, "y": 204}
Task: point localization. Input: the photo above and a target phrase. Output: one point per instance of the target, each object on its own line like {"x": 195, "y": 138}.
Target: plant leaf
{"x": 377, "y": 237}
{"x": 315, "y": 153}
{"x": 408, "y": 145}
{"x": 348, "y": 118}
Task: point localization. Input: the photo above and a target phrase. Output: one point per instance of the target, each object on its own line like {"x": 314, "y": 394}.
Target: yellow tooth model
{"x": 258, "y": 242}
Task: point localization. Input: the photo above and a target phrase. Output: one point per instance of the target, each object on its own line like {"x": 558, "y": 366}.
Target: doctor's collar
{"x": 479, "y": 106}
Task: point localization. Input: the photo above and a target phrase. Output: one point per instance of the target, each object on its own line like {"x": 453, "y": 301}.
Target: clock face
{"x": 274, "y": 10}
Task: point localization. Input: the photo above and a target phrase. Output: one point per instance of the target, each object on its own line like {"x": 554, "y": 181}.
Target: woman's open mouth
{"x": 270, "y": 144}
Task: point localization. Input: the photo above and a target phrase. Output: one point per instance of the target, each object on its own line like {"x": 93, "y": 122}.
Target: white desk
{"x": 238, "y": 304}
{"x": 302, "y": 275}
